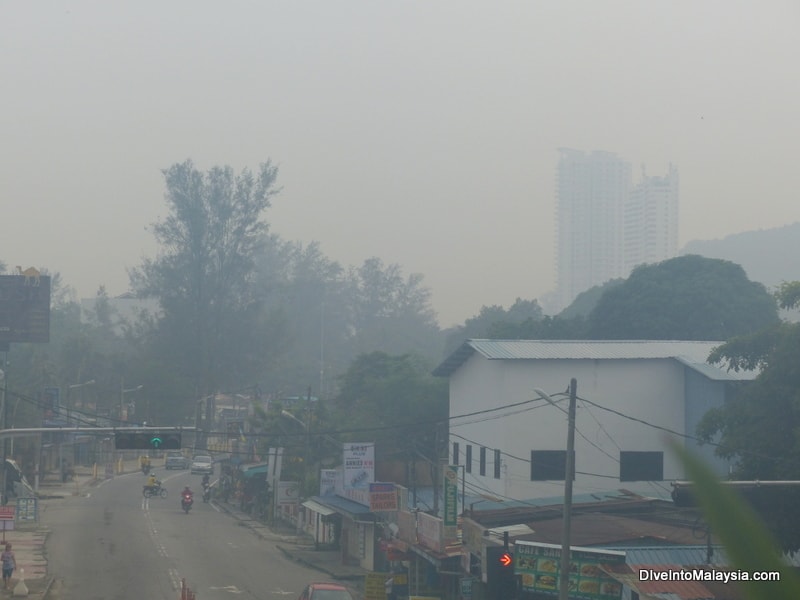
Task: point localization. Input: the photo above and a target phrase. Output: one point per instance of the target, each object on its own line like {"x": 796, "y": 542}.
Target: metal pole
{"x": 563, "y": 584}
{"x": 3, "y": 415}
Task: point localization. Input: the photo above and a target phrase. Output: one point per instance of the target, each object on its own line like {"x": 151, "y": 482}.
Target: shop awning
{"x": 255, "y": 470}
{"x": 318, "y": 508}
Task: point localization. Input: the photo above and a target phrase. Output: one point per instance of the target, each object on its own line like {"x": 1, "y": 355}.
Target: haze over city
{"x": 423, "y": 134}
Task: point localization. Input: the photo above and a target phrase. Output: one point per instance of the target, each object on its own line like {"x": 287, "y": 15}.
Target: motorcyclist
{"x": 187, "y": 493}
{"x": 206, "y": 480}
{"x": 144, "y": 462}
{"x": 152, "y": 482}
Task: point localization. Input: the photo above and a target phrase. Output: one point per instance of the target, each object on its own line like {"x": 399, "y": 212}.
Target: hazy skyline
{"x": 425, "y": 134}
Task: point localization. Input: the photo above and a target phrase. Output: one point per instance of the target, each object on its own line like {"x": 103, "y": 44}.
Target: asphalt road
{"x": 115, "y": 545}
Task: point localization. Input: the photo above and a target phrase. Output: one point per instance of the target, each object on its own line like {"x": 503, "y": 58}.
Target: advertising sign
{"x": 25, "y": 307}
{"x": 538, "y": 564}
{"x": 329, "y": 480}
{"x": 375, "y": 586}
{"x": 27, "y": 509}
{"x": 359, "y": 471}
{"x": 450, "y": 496}
{"x": 382, "y": 497}
{"x": 288, "y": 493}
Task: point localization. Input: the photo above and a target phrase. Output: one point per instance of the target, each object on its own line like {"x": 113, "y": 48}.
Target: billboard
{"x": 329, "y": 482}
{"x": 25, "y": 308}
{"x": 382, "y": 497}
{"x": 538, "y": 565}
{"x": 359, "y": 471}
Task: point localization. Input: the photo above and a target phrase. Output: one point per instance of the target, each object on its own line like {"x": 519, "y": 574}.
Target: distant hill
{"x": 768, "y": 256}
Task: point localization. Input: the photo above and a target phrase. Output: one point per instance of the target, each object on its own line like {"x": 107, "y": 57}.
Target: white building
{"x": 650, "y": 227}
{"x": 635, "y": 397}
{"x": 605, "y": 225}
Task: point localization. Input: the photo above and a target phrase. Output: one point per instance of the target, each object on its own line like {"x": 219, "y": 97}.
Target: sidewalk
{"x": 299, "y": 548}
{"x": 28, "y": 538}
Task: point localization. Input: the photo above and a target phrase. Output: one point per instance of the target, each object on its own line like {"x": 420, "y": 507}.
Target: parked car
{"x": 202, "y": 463}
{"x": 175, "y": 459}
{"x": 326, "y": 591}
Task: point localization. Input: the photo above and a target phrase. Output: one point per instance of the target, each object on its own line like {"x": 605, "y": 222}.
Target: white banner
{"x": 329, "y": 482}
{"x": 359, "y": 471}
{"x": 288, "y": 493}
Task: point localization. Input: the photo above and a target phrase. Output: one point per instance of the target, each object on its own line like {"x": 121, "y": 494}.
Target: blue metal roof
{"x": 341, "y": 504}
{"x": 670, "y": 555}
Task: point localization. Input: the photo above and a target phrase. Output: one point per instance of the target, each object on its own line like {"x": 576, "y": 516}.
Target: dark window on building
{"x": 483, "y": 461}
{"x": 468, "y": 459}
{"x": 641, "y": 466}
{"x": 497, "y": 464}
{"x": 548, "y": 465}
{"x": 455, "y": 453}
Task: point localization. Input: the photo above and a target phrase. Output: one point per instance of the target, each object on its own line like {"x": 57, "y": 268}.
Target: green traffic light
{"x": 155, "y": 442}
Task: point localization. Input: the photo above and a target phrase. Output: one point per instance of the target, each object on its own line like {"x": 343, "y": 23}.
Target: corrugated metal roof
{"x": 671, "y": 555}
{"x": 691, "y": 353}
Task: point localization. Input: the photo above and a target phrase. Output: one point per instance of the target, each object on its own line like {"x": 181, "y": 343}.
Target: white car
{"x": 202, "y": 463}
{"x": 175, "y": 459}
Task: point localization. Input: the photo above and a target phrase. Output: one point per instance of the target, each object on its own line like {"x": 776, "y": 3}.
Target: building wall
{"x": 592, "y": 189}
{"x": 651, "y": 221}
{"x": 605, "y": 225}
{"x": 703, "y": 394}
{"x": 649, "y": 390}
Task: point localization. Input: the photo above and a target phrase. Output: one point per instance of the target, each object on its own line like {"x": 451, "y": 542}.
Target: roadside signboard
{"x": 450, "y": 502}
{"x": 359, "y": 471}
{"x": 375, "y": 586}
{"x": 382, "y": 497}
{"x": 7, "y": 513}
{"x": 27, "y": 509}
{"x": 25, "y": 308}
{"x": 538, "y": 564}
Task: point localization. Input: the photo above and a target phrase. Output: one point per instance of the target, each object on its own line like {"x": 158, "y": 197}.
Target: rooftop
{"x": 693, "y": 354}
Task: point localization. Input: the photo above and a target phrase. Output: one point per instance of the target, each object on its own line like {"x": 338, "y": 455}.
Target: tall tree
{"x": 399, "y": 398}
{"x": 390, "y": 312}
{"x": 204, "y": 272}
{"x": 687, "y": 298}
{"x": 759, "y": 428}
{"x": 494, "y": 322}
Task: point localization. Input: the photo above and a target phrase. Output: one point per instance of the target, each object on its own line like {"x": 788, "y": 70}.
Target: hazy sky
{"x": 424, "y": 133}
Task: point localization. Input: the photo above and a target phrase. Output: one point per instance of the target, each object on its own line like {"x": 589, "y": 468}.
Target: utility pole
{"x": 3, "y": 417}
{"x": 563, "y": 583}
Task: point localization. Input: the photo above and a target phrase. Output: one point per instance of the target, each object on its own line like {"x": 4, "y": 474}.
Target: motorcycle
{"x": 146, "y": 469}
{"x": 186, "y": 502}
{"x": 155, "y": 490}
{"x": 206, "y": 492}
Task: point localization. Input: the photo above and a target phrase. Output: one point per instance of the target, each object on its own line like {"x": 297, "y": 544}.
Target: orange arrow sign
{"x": 506, "y": 559}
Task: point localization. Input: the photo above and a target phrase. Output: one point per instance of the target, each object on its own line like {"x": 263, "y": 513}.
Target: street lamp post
{"x": 75, "y": 386}
{"x": 563, "y": 582}
{"x": 122, "y": 392}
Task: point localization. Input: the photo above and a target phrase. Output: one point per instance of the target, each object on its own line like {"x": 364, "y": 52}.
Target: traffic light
{"x": 501, "y": 582}
{"x": 147, "y": 440}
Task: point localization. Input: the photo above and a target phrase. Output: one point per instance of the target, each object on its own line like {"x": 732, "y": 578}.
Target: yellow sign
{"x": 375, "y": 586}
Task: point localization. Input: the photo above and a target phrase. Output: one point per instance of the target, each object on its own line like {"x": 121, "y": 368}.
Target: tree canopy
{"x": 759, "y": 427}
{"x": 202, "y": 276}
{"x": 684, "y": 298}
{"x": 395, "y": 401}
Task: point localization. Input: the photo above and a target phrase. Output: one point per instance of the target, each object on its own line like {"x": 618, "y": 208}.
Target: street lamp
{"x": 563, "y": 583}
{"x": 122, "y": 392}
{"x": 75, "y": 386}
